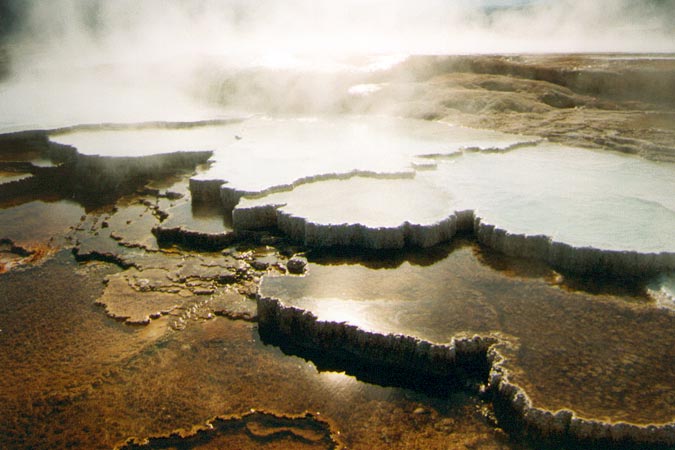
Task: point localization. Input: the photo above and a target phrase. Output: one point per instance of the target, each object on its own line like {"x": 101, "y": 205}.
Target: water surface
{"x": 568, "y": 349}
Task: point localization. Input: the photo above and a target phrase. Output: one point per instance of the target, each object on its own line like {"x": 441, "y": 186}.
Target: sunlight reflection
{"x": 353, "y": 312}
{"x": 341, "y": 385}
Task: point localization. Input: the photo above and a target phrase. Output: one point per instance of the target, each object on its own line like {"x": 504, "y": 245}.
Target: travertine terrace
{"x": 447, "y": 251}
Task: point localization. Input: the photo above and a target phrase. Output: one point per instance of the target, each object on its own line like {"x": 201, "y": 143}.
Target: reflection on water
{"x": 374, "y": 203}
{"x": 605, "y": 355}
{"x": 261, "y": 153}
{"x": 201, "y": 217}
{"x": 39, "y": 221}
{"x": 579, "y": 197}
{"x": 340, "y": 383}
{"x": 576, "y": 196}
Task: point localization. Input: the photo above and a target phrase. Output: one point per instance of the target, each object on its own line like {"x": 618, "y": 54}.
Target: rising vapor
{"x": 67, "y": 32}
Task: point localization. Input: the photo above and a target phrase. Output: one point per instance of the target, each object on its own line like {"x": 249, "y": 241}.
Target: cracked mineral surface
{"x": 451, "y": 252}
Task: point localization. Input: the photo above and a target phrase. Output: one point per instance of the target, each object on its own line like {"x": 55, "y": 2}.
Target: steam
{"x": 75, "y": 32}
{"x": 77, "y": 61}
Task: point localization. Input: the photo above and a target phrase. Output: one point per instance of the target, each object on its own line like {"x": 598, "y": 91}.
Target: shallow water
{"x": 367, "y": 201}
{"x": 192, "y": 216}
{"x": 86, "y": 380}
{"x": 99, "y": 382}
{"x": 261, "y": 153}
{"x": 39, "y": 221}
{"x": 567, "y": 348}
{"x": 580, "y": 197}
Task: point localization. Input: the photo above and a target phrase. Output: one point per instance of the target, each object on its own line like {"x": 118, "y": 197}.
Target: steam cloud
{"x": 67, "y": 32}
{"x": 171, "y": 59}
